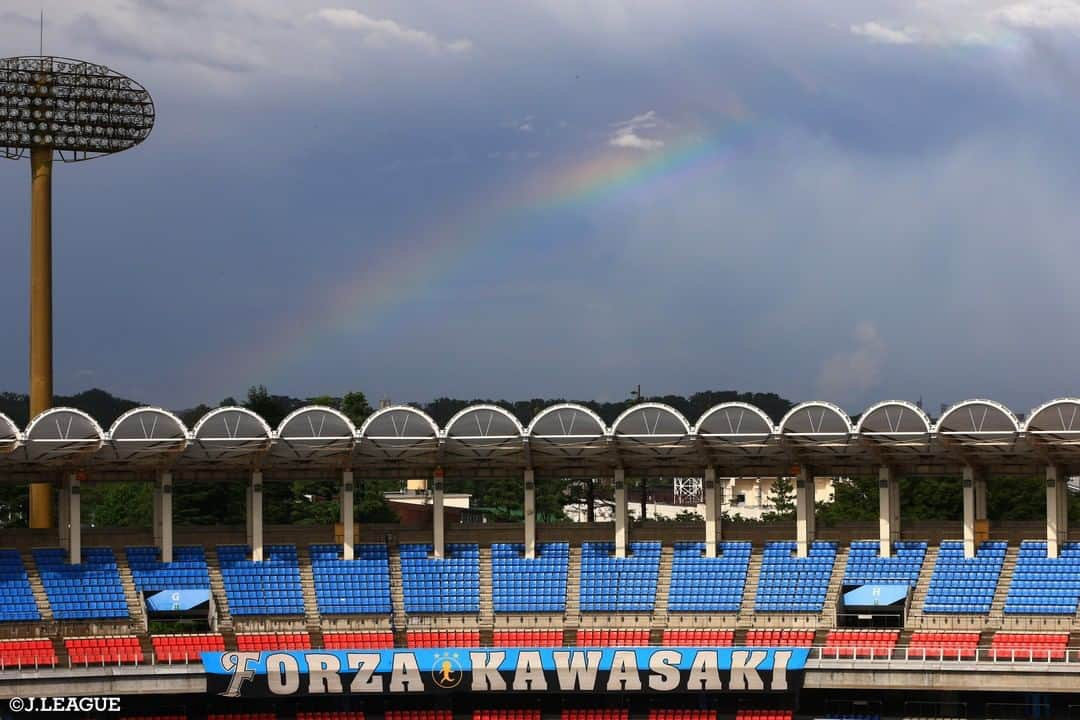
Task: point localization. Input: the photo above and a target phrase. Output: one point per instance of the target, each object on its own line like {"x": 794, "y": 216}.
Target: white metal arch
{"x": 400, "y": 436}
{"x": 816, "y": 426}
{"x": 483, "y": 427}
{"x": 617, "y": 427}
{"x": 729, "y": 420}
{"x": 977, "y": 419}
{"x": 317, "y": 430}
{"x": 315, "y": 434}
{"x": 9, "y": 434}
{"x": 229, "y": 433}
{"x": 568, "y": 429}
{"x": 496, "y": 439}
{"x": 399, "y": 430}
{"x": 567, "y": 433}
{"x": 62, "y": 433}
{"x": 1058, "y": 418}
{"x": 896, "y": 424}
{"x": 147, "y": 433}
{"x": 199, "y": 432}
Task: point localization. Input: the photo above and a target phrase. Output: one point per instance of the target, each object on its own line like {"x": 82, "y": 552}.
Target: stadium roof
{"x": 565, "y": 440}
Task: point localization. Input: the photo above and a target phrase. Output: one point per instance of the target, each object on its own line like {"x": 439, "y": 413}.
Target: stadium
{"x": 505, "y": 621}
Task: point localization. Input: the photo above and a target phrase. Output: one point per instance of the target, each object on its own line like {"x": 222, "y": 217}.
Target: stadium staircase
{"x": 572, "y": 620}
{"x": 997, "y": 605}
{"x": 40, "y": 597}
{"x": 134, "y": 602}
{"x": 487, "y": 605}
{"x": 922, "y": 586}
{"x": 659, "y": 620}
{"x": 312, "y": 619}
{"x": 397, "y": 595}
{"x": 828, "y": 618}
{"x": 217, "y": 592}
{"x": 753, "y": 576}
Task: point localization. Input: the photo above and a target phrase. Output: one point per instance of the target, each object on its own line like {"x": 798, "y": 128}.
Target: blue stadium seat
{"x": 187, "y": 571}
{"x": 537, "y": 585}
{"x": 447, "y": 585}
{"x": 610, "y": 584}
{"x": 16, "y": 596}
{"x": 793, "y": 584}
{"x": 360, "y": 586}
{"x": 701, "y": 584}
{"x": 964, "y": 585}
{"x": 88, "y": 590}
{"x": 865, "y": 566}
{"x": 269, "y": 587}
{"x": 1042, "y": 585}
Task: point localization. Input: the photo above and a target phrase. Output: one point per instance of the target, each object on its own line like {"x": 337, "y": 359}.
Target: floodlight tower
{"x": 68, "y": 110}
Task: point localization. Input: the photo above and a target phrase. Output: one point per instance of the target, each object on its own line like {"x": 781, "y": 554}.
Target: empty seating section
{"x": 619, "y": 584}
{"x": 185, "y": 648}
{"x": 255, "y": 642}
{"x": 270, "y": 587}
{"x": 506, "y": 715}
{"x": 187, "y": 571}
{"x": 358, "y": 640}
{"x": 527, "y": 638}
{"x": 699, "y": 638}
{"x": 616, "y": 638}
{"x": 89, "y": 590}
{"x": 16, "y": 596}
{"x": 1029, "y": 646}
{"x": 964, "y": 585}
{"x": 241, "y": 716}
{"x": 764, "y": 715}
{"x": 447, "y": 585}
{"x": 779, "y": 638}
{"x": 682, "y": 715}
{"x": 98, "y": 650}
{"x": 701, "y": 584}
{"x": 443, "y": 638}
{"x": 520, "y": 585}
{"x": 793, "y": 584}
{"x": 358, "y": 586}
{"x": 331, "y": 715}
{"x": 602, "y": 714}
{"x": 865, "y": 566}
{"x": 27, "y": 653}
{"x": 860, "y": 643}
{"x": 943, "y": 645}
{"x": 418, "y": 715}
{"x": 1042, "y": 585}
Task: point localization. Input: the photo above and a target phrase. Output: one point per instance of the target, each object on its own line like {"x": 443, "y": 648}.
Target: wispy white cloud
{"x": 1041, "y": 14}
{"x": 852, "y": 373}
{"x": 881, "y": 33}
{"x": 379, "y": 32}
{"x": 628, "y": 133}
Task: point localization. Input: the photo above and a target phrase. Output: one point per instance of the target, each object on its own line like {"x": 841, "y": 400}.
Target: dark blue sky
{"x": 567, "y": 198}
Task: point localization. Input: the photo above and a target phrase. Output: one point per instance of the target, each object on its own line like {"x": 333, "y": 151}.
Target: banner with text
{"x": 504, "y": 670}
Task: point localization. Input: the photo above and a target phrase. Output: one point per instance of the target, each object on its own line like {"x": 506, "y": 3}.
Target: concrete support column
{"x": 969, "y": 482}
{"x": 75, "y": 519}
{"x": 437, "y": 517}
{"x": 805, "y": 526}
{"x": 255, "y": 520}
{"x": 621, "y": 525}
{"x": 165, "y": 493}
{"x": 530, "y": 514}
{"x": 346, "y": 502}
{"x": 64, "y": 512}
{"x": 729, "y": 496}
{"x": 156, "y": 506}
{"x": 1057, "y": 510}
{"x": 889, "y": 509}
{"x": 759, "y": 497}
{"x": 712, "y": 512}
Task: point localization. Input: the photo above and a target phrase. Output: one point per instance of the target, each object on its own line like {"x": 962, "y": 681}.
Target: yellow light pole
{"x": 41, "y": 353}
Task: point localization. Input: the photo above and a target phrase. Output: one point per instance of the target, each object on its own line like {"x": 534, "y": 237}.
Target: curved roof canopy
{"x": 817, "y": 431}
{"x": 315, "y": 434}
{"x": 652, "y": 433}
{"x": 229, "y": 435}
{"x": 564, "y": 434}
{"x": 62, "y": 436}
{"x": 398, "y": 435}
{"x": 1055, "y": 426}
{"x": 736, "y": 429}
{"x": 979, "y": 425}
{"x": 486, "y": 435}
{"x": 147, "y": 435}
{"x": 9, "y": 434}
{"x": 895, "y": 426}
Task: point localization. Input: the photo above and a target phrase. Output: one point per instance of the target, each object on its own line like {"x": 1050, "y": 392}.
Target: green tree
{"x": 782, "y": 499}
{"x": 355, "y": 407}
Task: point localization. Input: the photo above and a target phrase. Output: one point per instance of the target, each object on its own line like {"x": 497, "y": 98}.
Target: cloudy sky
{"x": 845, "y": 200}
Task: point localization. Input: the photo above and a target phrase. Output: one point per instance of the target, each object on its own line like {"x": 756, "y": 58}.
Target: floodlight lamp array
{"x": 77, "y": 109}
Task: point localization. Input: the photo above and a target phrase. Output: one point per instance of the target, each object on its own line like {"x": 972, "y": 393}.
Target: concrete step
{"x": 487, "y": 608}
{"x": 397, "y": 595}
{"x": 135, "y": 605}
{"x": 40, "y": 596}
{"x": 312, "y": 618}
{"x": 217, "y": 591}
{"x": 753, "y": 576}
{"x": 918, "y": 597}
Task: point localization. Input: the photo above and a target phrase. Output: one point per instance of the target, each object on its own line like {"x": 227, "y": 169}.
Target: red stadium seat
{"x": 443, "y": 638}
{"x": 506, "y": 715}
{"x": 943, "y": 645}
{"x": 699, "y": 638}
{"x": 764, "y": 715}
{"x": 98, "y": 650}
{"x": 27, "y": 653}
{"x": 358, "y": 640}
{"x": 241, "y": 716}
{"x": 860, "y": 643}
{"x": 682, "y": 715}
{"x": 604, "y": 714}
{"x": 418, "y": 715}
{"x": 527, "y": 638}
{"x": 612, "y": 638}
{"x": 185, "y": 648}
{"x": 331, "y": 715}
{"x": 1028, "y": 646}
{"x": 257, "y": 642}
{"x": 779, "y": 638}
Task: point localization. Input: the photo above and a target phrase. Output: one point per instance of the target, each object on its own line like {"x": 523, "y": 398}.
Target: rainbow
{"x": 359, "y": 298}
